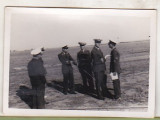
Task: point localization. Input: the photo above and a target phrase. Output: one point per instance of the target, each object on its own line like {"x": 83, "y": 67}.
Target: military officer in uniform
{"x": 99, "y": 68}
{"x": 67, "y": 70}
{"x": 115, "y": 68}
{"x": 37, "y": 74}
{"x": 84, "y": 65}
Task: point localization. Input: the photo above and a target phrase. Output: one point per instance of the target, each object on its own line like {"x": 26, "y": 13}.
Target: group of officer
{"x": 91, "y": 66}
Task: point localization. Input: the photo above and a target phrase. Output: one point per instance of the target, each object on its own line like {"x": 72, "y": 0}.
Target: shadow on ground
{"x": 25, "y": 94}
{"x": 58, "y": 85}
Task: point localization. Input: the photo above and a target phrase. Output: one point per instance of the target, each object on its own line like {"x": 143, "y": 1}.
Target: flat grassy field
{"x": 134, "y": 80}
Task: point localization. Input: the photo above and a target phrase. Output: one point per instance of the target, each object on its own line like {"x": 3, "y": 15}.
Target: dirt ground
{"x": 134, "y": 81}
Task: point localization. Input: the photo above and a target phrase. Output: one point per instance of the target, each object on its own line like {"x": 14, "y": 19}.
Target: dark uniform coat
{"x": 84, "y": 58}
{"x": 36, "y": 67}
{"x": 37, "y": 74}
{"x": 65, "y": 59}
{"x": 115, "y": 67}
{"x": 99, "y": 68}
{"x": 84, "y": 65}
{"x": 98, "y": 64}
{"x": 67, "y": 70}
{"x": 114, "y": 61}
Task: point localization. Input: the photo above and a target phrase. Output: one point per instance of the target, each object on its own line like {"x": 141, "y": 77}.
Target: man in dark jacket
{"x": 99, "y": 68}
{"x": 84, "y": 65}
{"x": 115, "y": 68}
{"x": 37, "y": 74}
{"x": 67, "y": 70}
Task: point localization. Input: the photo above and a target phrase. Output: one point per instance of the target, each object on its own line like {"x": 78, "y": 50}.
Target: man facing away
{"x": 37, "y": 74}
{"x": 99, "y": 68}
{"x": 67, "y": 70}
{"x": 115, "y": 68}
{"x": 84, "y": 65}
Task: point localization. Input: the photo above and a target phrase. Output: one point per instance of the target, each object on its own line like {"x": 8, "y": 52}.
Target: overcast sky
{"x": 53, "y": 29}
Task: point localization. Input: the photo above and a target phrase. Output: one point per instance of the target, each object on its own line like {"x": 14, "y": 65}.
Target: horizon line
{"x": 78, "y": 45}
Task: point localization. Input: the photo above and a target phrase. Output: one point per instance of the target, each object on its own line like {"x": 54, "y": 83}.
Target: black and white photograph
{"x": 79, "y": 62}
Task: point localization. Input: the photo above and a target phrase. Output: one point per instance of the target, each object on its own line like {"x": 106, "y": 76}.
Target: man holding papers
{"x": 115, "y": 69}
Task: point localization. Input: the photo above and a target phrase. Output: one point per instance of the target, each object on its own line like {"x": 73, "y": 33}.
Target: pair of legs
{"x": 38, "y": 90}
{"x": 87, "y": 79}
{"x": 100, "y": 84}
{"x": 68, "y": 82}
{"x": 117, "y": 88}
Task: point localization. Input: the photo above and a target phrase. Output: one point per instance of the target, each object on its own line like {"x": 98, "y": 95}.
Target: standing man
{"x": 99, "y": 68}
{"x": 37, "y": 74}
{"x": 84, "y": 65}
{"x": 115, "y": 68}
{"x": 67, "y": 70}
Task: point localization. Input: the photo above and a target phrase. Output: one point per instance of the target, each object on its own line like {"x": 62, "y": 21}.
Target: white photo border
{"x": 79, "y": 113}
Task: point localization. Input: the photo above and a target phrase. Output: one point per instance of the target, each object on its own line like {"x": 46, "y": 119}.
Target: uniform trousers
{"x": 87, "y": 78}
{"x": 117, "y": 88}
{"x": 38, "y": 90}
{"x": 68, "y": 81}
{"x": 100, "y": 84}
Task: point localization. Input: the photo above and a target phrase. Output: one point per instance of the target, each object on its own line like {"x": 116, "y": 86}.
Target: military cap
{"x": 65, "y": 47}
{"x": 97, "y": 40}
{"x": 37, "y": 51}
{"x": 82, "y": 43}
{"x": 111, "y": 42}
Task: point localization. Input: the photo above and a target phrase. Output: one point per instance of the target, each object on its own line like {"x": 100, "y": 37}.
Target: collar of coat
{"x": 113, "y": 48}
{"x": 36, "y": 58}
{"x": 64, "y": 53}
{"x": 83, "y": 50}
{"x": 97, "y": 47}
